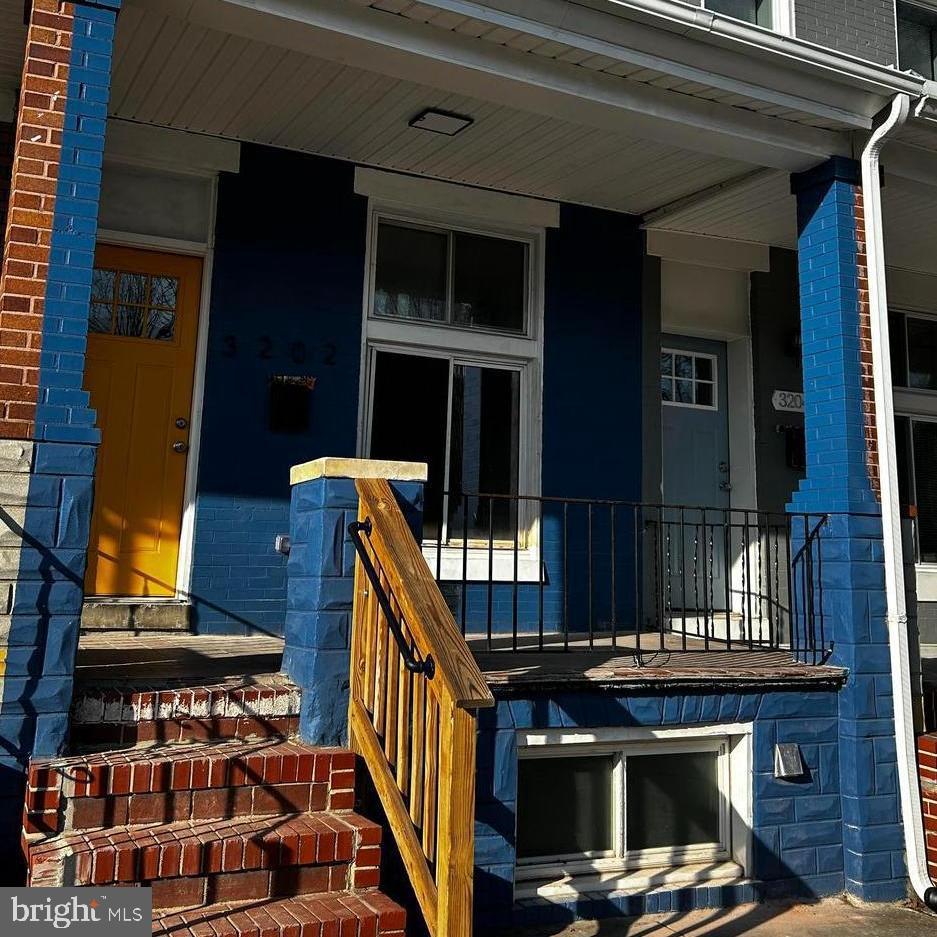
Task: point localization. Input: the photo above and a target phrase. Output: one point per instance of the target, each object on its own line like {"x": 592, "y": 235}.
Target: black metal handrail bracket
{"x": 427, "y": 666}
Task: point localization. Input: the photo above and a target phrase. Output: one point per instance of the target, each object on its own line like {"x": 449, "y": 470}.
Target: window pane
{"x": 102, "y": 284}
{"x": 130, "y": 320}
{"x": 672, "y": 800}
{"x": 484, "y": 450}
{"x": 922, "y": 353}
{"x": 408, "y": 420}
{"x": 564, "y": 806}
{"x": 684, "y": 391}
{"x": 666, "y": 363}
{"x": 489, "y": 282}
{"x": 163, "y": 292}
{"x": 161, "y": 324}
{"x": 410, "y": 281}
{"x": 903, "y": 456}
{"x": 666, "y": 388}
{"x": 741, "y": 9}
{"x": 925, "y": 478}
{"x": 132, "y": 288}
{"x": 99, "y": 319}
{"x": 899, "y": 356}
{"x": 684, "y": 365}
{"x": 704, "y": 395}
{"x": 704, "y": 369}
{"x": 916, "y": 40}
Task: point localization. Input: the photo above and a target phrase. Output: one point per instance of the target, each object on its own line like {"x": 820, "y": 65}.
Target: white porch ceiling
{"x": 174, "y": 73}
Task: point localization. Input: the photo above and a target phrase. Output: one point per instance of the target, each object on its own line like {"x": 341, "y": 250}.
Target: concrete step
{"x": 215, "y": 852}
{"x": 199, "y": 781}
{"x": 338, "y": 914}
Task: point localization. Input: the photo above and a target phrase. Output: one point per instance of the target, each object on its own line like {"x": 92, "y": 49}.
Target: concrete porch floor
{"x": 164, "y": 659}
{"x": 831, "y": 918}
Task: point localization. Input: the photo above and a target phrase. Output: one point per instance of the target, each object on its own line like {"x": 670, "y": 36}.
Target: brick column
{"x": 842, "y": 481}
{"x": 47, "y": 435}
{"x": 320, "y": 581}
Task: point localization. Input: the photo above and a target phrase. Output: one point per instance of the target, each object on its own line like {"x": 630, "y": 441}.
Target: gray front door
{"x": 695, "y": 437}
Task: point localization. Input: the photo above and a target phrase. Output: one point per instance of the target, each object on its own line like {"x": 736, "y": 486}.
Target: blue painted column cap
{"x": 834, "y": 169}
{"x": 320, "y": 580}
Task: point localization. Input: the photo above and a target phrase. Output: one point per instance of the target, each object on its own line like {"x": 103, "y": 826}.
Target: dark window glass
{"x": 408, "y": 420}
{"x": 489, "y": 277}
{"x": 564, "y": 806}
{"x": 899, "y": 350}
{"x": 925, "y": 480}
{"x": 484, "y": 450}
{"x": 751, "y": 11}
{"x": 903, "y": 453}
{"x": 922, "y": 353}
{"x": 671, "y": 800}
{"x": 916, "y": 39}
{"x": 410, "y": 281}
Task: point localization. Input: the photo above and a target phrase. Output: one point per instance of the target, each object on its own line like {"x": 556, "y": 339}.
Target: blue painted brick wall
{"x": 797, "y": 833}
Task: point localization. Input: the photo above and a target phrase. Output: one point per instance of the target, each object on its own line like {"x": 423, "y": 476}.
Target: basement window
{"x": 656, "y": 803}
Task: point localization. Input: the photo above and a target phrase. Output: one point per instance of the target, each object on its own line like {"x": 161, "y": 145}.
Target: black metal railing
{"x": 524, "y": 572}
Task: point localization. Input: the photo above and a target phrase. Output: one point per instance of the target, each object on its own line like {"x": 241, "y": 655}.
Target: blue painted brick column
{"x": 320, "y": 582}
{"x": 838, "y": 417}
{"x": 47, "y": 476}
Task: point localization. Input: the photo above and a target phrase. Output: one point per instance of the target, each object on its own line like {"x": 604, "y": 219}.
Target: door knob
{"x": 181, "y": 422}
{"x": 179, "y": 446}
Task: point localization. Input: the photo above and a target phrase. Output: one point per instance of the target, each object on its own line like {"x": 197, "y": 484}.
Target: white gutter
{"x": 912, "y": 819}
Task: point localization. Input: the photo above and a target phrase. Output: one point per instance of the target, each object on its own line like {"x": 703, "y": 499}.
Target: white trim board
{"x": 704, "y": 251}
{"x": 480, "y": 205}
{"x": 173, "y": 150}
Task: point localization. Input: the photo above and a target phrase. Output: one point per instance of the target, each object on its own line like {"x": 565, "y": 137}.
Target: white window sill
{"x": 480, "y": 565}
{"x": 635, "y": 881}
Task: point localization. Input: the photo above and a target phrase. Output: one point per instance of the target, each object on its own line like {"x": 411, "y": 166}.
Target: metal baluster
{"x": 465, "y": 536}
{"x": 491, "y": 566}
{"x": 635, "y": 512}
{"x": 517, "y": 536}
{"x": 696, "y": 599}
{"x": 683, "y": 576}
{"x": 565, "y": 575}
{"x": 727, "y": 571}
{"x": 789, "y": 576}
{"x": 774, "y": 639}
{"x": 614, "y": 622}
{"x": 589, "y": 572}
{"x": 540, "y": 570}
{"x": 819, "y": 535}
{"x": 747, "y": 583}
{"x": 706, "y": 586}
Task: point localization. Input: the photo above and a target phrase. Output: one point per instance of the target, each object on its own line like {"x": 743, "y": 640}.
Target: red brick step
{"x": 208, "y": 780}
{"x": 346, "y": 842}
{"x": 341, "y": 914}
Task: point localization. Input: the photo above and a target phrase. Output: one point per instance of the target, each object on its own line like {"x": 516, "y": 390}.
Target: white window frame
{"x": 689, "y": 353}
{"x": 479, "y": 347}
{"x": 782, "y": 17}
{"x": 733, "y": 744}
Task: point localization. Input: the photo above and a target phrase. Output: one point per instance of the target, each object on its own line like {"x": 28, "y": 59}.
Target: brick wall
{"x": 865, "y": 349}
{"x": 797, "y": 834}
{"x": 7, "y": 136}
{"x": 28, "y": 238}
{"x": 864, "y": 28}
{"x": 927, "y": 772}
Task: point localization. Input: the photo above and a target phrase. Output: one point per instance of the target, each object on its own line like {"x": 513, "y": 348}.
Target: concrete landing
{"x": 831, "y": 918}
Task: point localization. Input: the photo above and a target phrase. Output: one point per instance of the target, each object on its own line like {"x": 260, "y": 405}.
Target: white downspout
{"x": 912, "y": 819}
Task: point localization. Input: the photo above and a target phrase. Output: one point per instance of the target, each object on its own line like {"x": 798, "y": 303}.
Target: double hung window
{"x": 452, "y": 367}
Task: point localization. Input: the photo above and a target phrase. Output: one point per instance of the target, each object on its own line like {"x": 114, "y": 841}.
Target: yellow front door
{"x": 140, "y": 362}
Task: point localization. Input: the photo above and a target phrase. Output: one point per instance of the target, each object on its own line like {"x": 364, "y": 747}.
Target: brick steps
{"x": 340, "y": 914}
{"x": 111, "y": 716}
{"x": 240, "y": 837}
{"x": 201, "y": 781}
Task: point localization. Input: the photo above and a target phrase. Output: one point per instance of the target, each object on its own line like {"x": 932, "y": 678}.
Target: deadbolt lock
{"x": 181, "y": 422}
{"x": 179, "y": 446}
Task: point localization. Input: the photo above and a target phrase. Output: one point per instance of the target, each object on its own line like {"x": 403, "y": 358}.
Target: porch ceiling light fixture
{"x": 443, "y": 122}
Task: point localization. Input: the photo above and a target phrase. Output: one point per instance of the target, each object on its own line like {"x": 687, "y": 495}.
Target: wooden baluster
{"x": 357, "y": 652}
{"x": 369, "y": 623}
{"x": 380, "y": 675}
{"x": 430, "y": 777}
{"x": 405, "y": 682}
{"x": 391, "y": 669}
{"x": 455, "y": 858}
{"x": 418, "y": 749}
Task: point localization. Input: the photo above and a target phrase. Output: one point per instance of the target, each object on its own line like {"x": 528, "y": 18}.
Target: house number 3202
{"x": 265, "y": 347}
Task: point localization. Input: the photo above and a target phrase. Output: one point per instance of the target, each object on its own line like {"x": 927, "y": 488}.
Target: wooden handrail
{"x": 414, "y": 727}
{"x": 411, "y": 581}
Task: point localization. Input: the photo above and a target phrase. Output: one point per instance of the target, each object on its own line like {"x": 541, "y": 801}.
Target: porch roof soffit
{"x": 403, "y": 48}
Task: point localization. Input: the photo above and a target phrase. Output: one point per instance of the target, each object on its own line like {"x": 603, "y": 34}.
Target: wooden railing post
{"x": 455, "y": 859}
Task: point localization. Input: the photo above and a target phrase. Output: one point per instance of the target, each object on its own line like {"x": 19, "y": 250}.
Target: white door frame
{"x": 205, "y": 250}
